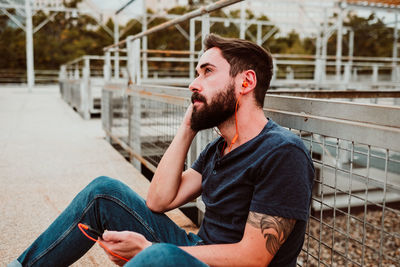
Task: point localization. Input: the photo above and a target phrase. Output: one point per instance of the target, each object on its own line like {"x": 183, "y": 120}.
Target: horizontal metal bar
{"x": 195, "y": 13}
{"x": 93, "y": 57}
{"x": 169, "y": 90}
{"x": 175, "y": 100}
{"x": 365, "y": 124}
{"x": 362, "y": 133}
{"x": 371, "y": 114}
{"x": 173, "y": 52}
{"x": 169, "y": 59}
{"x": 338, "y": 93}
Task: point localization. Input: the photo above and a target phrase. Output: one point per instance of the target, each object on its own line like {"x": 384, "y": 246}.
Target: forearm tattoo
{"x": 274, "y": 229}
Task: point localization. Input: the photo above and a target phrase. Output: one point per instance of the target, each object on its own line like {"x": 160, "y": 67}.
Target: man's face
{"x": 213, "y": 90}
{"x": 221, "y": 108}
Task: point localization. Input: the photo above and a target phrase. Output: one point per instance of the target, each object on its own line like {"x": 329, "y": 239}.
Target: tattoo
{"x": 274, "y": 229}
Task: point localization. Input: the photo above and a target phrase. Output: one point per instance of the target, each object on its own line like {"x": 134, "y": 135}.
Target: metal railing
{"x": 18, "y": 76}
{"x": 82, "y": 80}
{"x": 355, "y": 149}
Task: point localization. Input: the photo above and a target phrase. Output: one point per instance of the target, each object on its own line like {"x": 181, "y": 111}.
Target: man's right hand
{"x": 188, "y": 116}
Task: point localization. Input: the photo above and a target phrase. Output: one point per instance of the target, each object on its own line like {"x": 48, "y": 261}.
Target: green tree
{"x": 372, "y": 38}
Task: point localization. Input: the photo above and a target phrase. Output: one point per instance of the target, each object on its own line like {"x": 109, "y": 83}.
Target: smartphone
{"x": 91, "y": 231}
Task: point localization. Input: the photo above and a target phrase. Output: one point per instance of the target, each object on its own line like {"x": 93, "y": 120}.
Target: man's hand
{"x": 188, "y": 116}
{"x": 126, "y": 244}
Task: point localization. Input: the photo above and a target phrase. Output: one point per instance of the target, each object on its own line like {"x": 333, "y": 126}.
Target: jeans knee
{"x": 104, "y": 185}
{"x": 164, "y": 254}
{"x": 156, "y": 254}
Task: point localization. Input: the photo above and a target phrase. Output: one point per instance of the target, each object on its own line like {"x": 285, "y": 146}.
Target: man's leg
{"x": 105, "y": 204}
{"x": 166, "y": 255}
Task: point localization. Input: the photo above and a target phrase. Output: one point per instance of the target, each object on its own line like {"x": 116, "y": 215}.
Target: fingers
{"x": 116, "y": 260}
{"x": 110, "y": 246}
{"x": 114, "y": 236}
{"x": 125, "y": 244}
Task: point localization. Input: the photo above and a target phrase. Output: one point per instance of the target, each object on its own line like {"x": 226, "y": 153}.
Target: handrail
{"x": 368, "y": 124}
{"x": 195, "y": 13}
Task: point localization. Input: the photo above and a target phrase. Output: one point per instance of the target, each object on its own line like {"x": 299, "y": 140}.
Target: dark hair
{"x": 244, "y": 55}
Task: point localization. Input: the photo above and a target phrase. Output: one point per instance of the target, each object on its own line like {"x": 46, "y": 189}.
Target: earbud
{"x": 244, "y": 85}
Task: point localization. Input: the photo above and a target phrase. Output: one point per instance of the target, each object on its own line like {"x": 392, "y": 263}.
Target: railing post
{"x": 274, "y": 71}
{"x": 131, "y": 61}
{"x": 339, "y": 45}
{"x": 116, "y": 52}
{"x": 63, "y": 72}
{"x": 86, "y": 98}
{"x": 107, "y": 66}
{"x": 106, "y": 113}
{"x": 144, "y": 44}
{"x": 355, "y": 74}
{"x": 318, "y": 63}
{"x": 351, "y": 47}
{"x": 62, "y": 77}
{"x": 289, "y": 73}
{"x": 134, "y": 106}
{"x": 259, "y": 34}
{"x": 395, "y": 70}
{"x": 137, "y": 62}
{"x": 76, "y": 72}
{"x": 325, "y": 38}
{"x": 375, "y": 71}
{"x": 192, "y": 41}
{"x": 243, "y": 20}
{"x": 205, "y": 28}
{"x": 347, "y": 73}
{"x": 29, "y": 46}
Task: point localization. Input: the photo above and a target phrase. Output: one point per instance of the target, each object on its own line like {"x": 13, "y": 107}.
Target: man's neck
{"x": 250, "y": 124}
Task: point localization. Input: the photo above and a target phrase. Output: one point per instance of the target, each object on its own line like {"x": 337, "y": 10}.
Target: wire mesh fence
{"x": 355, "y": 205}
{"x": 355, "y": 215}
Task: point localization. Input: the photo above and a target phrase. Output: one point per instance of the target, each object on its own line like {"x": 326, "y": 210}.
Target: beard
{"x": 221, "y": 108}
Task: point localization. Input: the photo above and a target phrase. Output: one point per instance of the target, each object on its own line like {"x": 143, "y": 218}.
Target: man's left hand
{"x": 126, "y": 244}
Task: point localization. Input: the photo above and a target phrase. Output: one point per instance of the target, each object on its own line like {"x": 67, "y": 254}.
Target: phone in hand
{"x": 91, "y": 230}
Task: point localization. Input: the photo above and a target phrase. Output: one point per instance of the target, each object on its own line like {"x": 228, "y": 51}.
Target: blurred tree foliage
{"x": 372, "y": 38}
{"x": 66, "y": 37}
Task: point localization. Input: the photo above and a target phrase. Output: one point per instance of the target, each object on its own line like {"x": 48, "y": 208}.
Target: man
{"x": 255, "y": 181}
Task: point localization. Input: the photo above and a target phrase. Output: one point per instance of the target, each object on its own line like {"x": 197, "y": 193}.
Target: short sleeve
{"x": 284, "y": 185}
{"x": 198, "y": 164}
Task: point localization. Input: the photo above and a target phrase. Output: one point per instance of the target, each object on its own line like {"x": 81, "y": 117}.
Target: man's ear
{"x": 249, "y": 81}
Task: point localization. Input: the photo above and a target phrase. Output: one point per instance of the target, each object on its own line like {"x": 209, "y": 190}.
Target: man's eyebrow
{"x": 202, "y": 66}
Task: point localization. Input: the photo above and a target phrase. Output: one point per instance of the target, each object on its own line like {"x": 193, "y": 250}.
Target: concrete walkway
{"x": 47, "y": 155}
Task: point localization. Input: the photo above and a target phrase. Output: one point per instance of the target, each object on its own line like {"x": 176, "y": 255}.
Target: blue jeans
{"x": 109, "y": 204}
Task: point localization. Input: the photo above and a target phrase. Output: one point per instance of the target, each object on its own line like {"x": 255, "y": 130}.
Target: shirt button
{"x": 214, "y": 172}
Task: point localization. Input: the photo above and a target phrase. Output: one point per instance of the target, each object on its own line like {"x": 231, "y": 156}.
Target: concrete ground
{"x": 48, "y": 153}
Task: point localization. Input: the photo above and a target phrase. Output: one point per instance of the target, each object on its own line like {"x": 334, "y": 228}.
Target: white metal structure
{"x": 354, "y": 147}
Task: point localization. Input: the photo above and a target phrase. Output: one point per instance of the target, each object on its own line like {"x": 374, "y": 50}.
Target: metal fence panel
{"x": 354, "y": 211}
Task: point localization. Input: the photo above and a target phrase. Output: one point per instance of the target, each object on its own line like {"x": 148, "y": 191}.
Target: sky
{"x": 134, "y": 8}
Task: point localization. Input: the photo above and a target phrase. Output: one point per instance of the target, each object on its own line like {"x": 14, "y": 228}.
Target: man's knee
{"x": 106, "y": 186}
{"x": 164, "y": 254}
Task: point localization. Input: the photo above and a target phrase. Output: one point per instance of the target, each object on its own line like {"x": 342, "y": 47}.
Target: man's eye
{"x": 207, "y": 70}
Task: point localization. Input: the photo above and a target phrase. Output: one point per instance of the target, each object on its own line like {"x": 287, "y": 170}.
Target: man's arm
{"x": 263, "y": 236}
{"x": 171, "y": 188}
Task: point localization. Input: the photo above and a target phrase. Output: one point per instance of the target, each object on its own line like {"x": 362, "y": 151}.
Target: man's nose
{"x": 194, "y": 86}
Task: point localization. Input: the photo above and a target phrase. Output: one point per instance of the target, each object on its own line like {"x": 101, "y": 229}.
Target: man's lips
{"x": 197, "y": 98}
